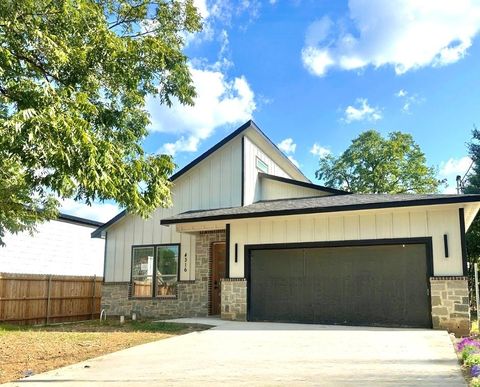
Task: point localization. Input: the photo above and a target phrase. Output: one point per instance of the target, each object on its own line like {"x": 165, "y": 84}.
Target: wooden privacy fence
{"x": 39, "y": 299}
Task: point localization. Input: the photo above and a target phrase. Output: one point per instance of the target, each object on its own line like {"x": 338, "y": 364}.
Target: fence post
{"x": 48, "y": 297}
{"x": 93, "y": 296}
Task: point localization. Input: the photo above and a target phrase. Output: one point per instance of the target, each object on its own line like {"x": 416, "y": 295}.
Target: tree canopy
{"x": 74, "y": 77}
{"x": 373, "y": 164}
{"x": 472, "y": 186}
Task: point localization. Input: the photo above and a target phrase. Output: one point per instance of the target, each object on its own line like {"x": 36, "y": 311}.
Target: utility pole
{"x": 459, "y": 184}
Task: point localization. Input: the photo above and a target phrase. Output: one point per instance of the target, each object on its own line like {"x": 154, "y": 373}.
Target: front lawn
{"x": 27, "y": 350}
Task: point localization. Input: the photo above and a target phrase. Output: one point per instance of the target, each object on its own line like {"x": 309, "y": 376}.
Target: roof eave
{"x": 285, "y": 180}
{"x": 314, "y": 210}
{"x": 98, "y": 233}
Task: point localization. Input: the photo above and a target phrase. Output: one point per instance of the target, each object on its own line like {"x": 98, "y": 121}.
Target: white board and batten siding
{"x": 215, "y": 182}
{"x": 274, "y": 190}
{"x": 58, "y": 247}
{"x": 253, "y": 191}
{"x": 362, "y": 225}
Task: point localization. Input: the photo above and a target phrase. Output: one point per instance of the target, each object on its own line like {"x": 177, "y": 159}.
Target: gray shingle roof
{"x": 319, "y": 204}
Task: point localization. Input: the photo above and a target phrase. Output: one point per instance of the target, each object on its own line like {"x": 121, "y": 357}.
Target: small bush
{"x": 475, "y": 382}
{"x": 475, "y": 371}
{"x": 468, "y": 342}
{"x": 473, "y": 359}
{"x": 467, "y": 351}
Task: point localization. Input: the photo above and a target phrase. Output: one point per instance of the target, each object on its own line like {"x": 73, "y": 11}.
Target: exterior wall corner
{"x": 234, "y": 299}
{"x": 450, "y": 304}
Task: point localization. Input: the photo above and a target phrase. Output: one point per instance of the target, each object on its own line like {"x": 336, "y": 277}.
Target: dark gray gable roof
{"x": 303, "y": 184}
{"x": 249, "y": 124}
{"x": 318, "y": 204}
{"x": 77, "y": 220}
{"x": 98, "y": 232}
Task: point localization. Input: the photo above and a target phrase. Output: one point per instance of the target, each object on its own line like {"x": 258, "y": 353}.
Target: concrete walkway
{"x": 266, "y": 354}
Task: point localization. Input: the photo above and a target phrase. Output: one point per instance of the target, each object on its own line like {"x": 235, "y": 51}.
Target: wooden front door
{"x": 218, "y": 272}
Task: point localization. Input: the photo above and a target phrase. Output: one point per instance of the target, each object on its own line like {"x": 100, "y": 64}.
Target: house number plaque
{"x": 185, "y": 269}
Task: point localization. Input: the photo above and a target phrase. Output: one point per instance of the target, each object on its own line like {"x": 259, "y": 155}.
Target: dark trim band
{"x": 105, "y": 257}
{"x": 303, "y": 184}
{"x": 98, "y": 232}
{"x": 227, "y": 252}
{"x": 461, "y": 214}
{"x": 317, "y": 210}
{"x": 242, "y": 200}
{"x": 78, "y": 220}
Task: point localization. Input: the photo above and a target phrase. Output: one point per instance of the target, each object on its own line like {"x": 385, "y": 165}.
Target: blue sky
{"x": 315, "y": 74}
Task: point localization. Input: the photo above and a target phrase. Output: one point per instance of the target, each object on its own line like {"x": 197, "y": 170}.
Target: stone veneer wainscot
{"x": 450, "y": 304}
{"x": 192, "y": 296}
{"x": 234, "y": 299}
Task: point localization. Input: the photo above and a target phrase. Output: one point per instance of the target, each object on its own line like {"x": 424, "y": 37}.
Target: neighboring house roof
{"x": 303, "y": 184}
{"x": 77, "y": 220}
{"x": 249, "y": 124}
{"x": 311, "y": 205}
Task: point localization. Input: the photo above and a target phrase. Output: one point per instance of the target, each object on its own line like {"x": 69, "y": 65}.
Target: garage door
{"x": 383, "y": 285}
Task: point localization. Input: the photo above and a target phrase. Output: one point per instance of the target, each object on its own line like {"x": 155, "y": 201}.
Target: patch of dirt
{"x": 27, "y": 351}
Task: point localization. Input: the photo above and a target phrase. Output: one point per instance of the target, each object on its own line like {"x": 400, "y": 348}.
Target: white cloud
{"x": 294, "y": 162}
{"x": 317, "y": 60}
{"x": 225, "y": 10}
{"x": 320, "y": 151}
{"x": 408, "y": 100}
{"x": 362, "y": 112}
{"x": 202, "y": 8}
{"x": 406, "y": 34}
{"x": 220, "y": 101}
{"x": 101, "y": 212}
{"x": 454, "y": 167}
{"x": 287, "y": 145}
{"x": 451, "y": 168}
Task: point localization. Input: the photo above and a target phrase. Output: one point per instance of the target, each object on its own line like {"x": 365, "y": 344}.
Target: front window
{"x": 155, "y": 271}
{"x": 167, "y": 269}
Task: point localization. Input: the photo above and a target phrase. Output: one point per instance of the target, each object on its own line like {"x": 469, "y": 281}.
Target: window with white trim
{"x": 261, "y": 165}
{"x": 155, "y": 271}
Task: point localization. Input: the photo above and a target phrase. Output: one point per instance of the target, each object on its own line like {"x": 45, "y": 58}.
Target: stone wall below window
{"x": 234, "y": 299}
{"x": 192, "y": 296}
{"x": 450, "y": 304}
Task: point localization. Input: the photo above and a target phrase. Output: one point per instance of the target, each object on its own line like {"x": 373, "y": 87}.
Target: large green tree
{"x": 74, "y": 77}
{"x": 472, "y": 186}
{"x": 374, "y": 164}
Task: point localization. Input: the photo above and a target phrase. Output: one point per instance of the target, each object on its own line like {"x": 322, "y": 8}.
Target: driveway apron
{"x": 272, "y": 354}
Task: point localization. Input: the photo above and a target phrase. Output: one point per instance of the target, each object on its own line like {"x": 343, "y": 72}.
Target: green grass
{"x": 150, "y": 326}
{"x": 4, "y": 328}
{"x": 102, "y": 326}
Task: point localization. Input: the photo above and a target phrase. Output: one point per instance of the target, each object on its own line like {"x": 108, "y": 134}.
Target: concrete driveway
{"x": 266, "y": 354}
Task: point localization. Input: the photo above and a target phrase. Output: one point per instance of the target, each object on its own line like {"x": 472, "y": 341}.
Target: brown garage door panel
{"x": 365, "y": 285}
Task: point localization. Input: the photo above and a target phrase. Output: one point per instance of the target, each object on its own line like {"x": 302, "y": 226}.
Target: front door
{"x": 218, "y": 272}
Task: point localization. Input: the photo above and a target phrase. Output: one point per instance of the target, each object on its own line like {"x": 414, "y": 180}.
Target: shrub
{"x": 468, "y": 342}
{"x": 467, "y": 351}
{"x": 473, "y": 359}
{"x": 475, "y": 382}
{"x": 475, "y": 371}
